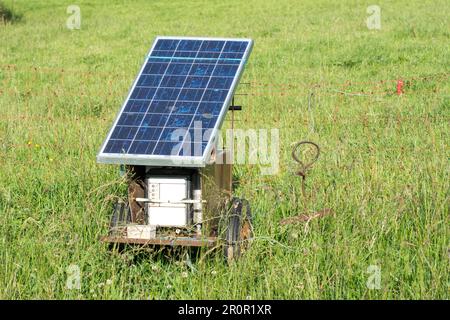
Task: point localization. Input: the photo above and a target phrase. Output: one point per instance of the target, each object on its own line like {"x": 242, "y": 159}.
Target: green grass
{"x": 384, "y": 167}
{"x": 8, "y": 14}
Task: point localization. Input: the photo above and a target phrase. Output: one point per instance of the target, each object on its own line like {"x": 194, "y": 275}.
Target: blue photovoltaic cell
{"x": 177, "y": 98}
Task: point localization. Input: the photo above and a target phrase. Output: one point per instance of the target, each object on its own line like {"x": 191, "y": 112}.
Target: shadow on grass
{"x": 9, "y": 15}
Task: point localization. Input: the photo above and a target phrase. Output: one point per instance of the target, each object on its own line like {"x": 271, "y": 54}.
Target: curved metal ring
{"x": 294, "y": 154}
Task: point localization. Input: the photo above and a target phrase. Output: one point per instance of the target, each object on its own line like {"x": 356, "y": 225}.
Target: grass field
{"x": 383, "y": 170}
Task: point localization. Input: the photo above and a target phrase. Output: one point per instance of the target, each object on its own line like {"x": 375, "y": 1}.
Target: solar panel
{"x": 177, "y": 103}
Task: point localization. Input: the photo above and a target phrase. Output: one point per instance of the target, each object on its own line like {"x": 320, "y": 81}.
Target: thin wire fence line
{"x": 18, "y": 117}
{"x": 349, "y": 82}
{"x": 109, "y": 94}
{"x": 316, "y": 85}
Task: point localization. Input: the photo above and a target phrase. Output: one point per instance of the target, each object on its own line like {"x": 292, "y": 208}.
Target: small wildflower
{"x": 184, "y": 274}
{"x": 154, "y": 267}
{"x": 109, "y": 282}
{"x": 51, "y": 159}
{"x": 37, "y": 145}
{"x": 29, "y": 143}
{"x": 169, "y": 286}
{"x": 214, "y": 272}
{"x": 248, "y": 297}
{"x": 101, "y": 284}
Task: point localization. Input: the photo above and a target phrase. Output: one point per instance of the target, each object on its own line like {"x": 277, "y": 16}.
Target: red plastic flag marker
{"x": 399, "y": 87}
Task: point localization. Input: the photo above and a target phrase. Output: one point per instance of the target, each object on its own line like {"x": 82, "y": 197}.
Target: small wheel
{"x": 121, "y": 216}
{"x": 239, "y": 230}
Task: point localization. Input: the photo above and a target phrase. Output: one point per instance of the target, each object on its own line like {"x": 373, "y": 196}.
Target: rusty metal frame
{"x": 216, "y": 181}
{"x": 165, "y": 241}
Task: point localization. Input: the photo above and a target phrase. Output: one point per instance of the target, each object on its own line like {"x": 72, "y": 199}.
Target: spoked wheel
{"x": 238, "y": 229}
{"x": 120, "y": 217}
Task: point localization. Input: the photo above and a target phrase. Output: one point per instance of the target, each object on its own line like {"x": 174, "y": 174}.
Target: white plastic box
{"x": 168, "y": 189}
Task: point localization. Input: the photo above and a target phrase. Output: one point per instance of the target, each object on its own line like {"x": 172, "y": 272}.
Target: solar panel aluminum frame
{"x": 175, "y": 161}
